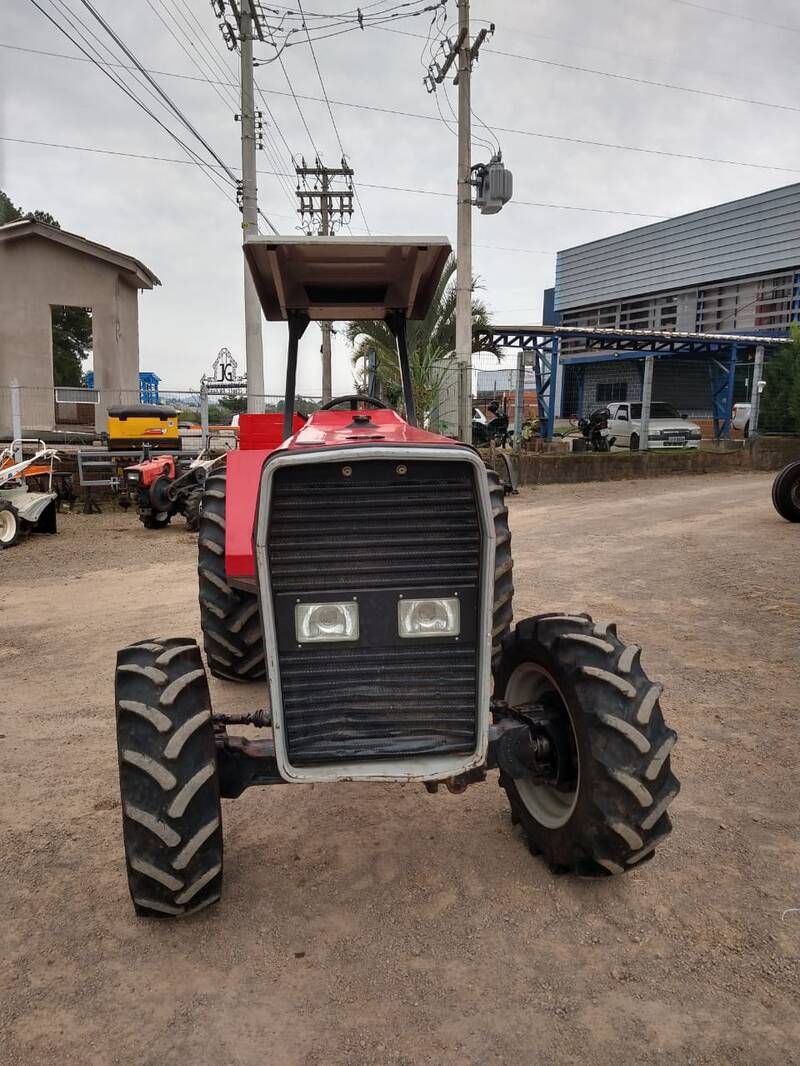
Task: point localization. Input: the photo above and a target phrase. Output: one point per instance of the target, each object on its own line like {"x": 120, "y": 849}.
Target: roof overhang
{"x": 138, "y": 274}
{"x": 344, "y": 278}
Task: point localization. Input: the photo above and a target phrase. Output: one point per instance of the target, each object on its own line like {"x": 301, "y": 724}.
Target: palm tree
{"x": 431, "y": 344}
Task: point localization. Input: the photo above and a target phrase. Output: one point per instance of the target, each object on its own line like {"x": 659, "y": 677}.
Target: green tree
{"x": 71, "y": 326}
{"x": 431, "y": 344}
{"x": 72, "y": 343}
{"x": 222, "y": 411}
{"x": 780, "y": 401}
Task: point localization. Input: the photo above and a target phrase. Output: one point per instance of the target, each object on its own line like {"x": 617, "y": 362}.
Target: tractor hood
{"x": 338, "y": 429}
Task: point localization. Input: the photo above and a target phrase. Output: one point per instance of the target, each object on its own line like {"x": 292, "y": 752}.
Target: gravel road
{"x": 375, "y": 924}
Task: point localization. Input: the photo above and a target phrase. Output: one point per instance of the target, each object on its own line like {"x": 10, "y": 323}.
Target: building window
{"x": 612, "y": 391}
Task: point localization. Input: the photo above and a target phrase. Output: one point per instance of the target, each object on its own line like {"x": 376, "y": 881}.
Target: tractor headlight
{"x": 429, "y": 618}
{"x": 325, "y": 621}
{"x": 133, "y": 477}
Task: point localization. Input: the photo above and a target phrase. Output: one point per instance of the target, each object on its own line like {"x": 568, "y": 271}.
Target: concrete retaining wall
{"x": 763, "y": 453}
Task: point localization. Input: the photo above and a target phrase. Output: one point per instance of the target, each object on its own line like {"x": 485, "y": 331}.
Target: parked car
{"x": 741, "y": 418}
{"x": 668, "y": 429}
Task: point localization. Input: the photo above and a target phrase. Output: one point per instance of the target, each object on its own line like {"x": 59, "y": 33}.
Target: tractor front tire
{"x": 155, "y": 521}
{"x": 232, "y": 636}
{"x": 9, "y": 524}
{"x": 786, "y": 492}
{"x": 613, "y": 812}
{"x": 503, "y": 610}
{"x": 171, "y": 816}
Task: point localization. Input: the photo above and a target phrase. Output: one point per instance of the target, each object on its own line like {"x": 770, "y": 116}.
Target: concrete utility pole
{"x": 647, "y": 394}
{"x": 324, "y": 208}
{"x": 326, "y": 326}
{"x": 464, "y": 228}
{"x": 464, "y": 55}
{"x": 519, "y": 400}
{"x": 755, "y": 391}
{"x": 254, "y": 352}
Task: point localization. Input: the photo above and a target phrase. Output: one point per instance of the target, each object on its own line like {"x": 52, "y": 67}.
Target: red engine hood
{"x": 324, "y": 429}
{"x": 337, "y": 429}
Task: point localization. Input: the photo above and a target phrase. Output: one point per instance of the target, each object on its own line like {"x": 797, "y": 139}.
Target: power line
{"x": 734, "y": 15}
{"x": 173, "y": 106}
{"x": 330, "y": 112}
{"x": 365, "y": 184}
{"x": 297, "y": 103}
{"x": 432, "y": 118}
{"x": 194, "y": 157}
{"x": 168, "y": 100}
{"x": 642, "y": 81}
{"x": 192, "y": 59}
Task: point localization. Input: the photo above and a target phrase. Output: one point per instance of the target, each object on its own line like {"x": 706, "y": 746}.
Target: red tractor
{"x": 363, "y": 567}
{"x": 160, "y": 490}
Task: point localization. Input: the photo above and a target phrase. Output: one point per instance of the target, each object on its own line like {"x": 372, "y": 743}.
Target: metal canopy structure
{"x": 328, "y": 279}
{"x": 720, "y": 350}
{"x": 346, "y": 278}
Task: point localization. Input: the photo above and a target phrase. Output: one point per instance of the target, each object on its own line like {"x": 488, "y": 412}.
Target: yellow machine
{"x": 143, "y": 423}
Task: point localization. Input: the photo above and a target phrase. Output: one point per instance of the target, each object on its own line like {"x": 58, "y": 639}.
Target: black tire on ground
{"x": 232, "y": 636}
{"x": 10, "y": 528}
{"x": 171, "y": 816}
{"x": 786, "y": 492}
{"x": 616, "y": 813}
{"x": 503, "y": 610}
{"x": 192, "y": 507}
{"x": 746, "y": 430}
{"x": 152, "y": 521}
{"x": 634, "y": 445}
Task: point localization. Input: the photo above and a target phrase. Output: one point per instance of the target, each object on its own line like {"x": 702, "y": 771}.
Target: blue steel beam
{"x": 723, "y": 375}
{"x": 552, "y": 397}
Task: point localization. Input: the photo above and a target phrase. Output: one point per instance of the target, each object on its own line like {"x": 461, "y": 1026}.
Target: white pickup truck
{"x": 667, "y": 428}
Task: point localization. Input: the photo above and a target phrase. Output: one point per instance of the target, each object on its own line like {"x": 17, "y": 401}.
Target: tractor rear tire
{"x": 192, "y": 508}
{"x": 230, "y": 618}
{"x": 614, "y": 813}
{"x": 169, "y": 785}
{"x": 503, "y": 610}
{"x": 786, "y": 492}
{"x": 10, "y": 528}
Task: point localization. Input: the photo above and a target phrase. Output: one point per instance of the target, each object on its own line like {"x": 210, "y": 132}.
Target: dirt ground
{"x": 374, "y": 924}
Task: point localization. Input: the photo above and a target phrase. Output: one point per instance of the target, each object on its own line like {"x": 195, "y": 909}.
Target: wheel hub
{"x": 550, "y": 791}
{"x": 8, "y": 527}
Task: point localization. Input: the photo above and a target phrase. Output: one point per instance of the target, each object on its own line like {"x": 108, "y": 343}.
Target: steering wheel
{"x": 354, "y": 399}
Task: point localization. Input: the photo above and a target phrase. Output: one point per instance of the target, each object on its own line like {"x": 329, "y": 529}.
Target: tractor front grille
{"x": 376, "y": 534}
{"x": 378, "y": 703}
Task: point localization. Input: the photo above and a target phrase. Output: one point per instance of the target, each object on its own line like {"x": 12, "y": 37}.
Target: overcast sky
{"x": 171, "y": 217}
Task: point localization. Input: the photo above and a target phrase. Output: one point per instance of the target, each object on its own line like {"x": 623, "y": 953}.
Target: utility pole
{"x": 247, "y": 25}
{"x": 647, "y": 393}
{"x": 326, "y": 326}
{"x": 464, "y": 228}
{"x": 463, "y": 54}
{"x": 324, "y": 208}
{"x": 254, "y": 352}
{"x": 755, "y": 390}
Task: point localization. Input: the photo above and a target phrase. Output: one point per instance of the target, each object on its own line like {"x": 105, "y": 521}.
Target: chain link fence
{"x": 76, "y": 415}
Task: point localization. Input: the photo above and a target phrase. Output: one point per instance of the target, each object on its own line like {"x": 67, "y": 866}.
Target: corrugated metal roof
{"x": 757, "y": 234}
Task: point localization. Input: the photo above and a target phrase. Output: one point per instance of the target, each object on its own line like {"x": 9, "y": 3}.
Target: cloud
{"x": 171, "y": 217}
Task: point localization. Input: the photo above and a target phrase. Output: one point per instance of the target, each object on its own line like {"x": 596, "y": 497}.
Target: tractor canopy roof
{"x": 340, "y": 278}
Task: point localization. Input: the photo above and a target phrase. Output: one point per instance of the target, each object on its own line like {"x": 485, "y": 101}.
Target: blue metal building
{"x": 732, "y": 269}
